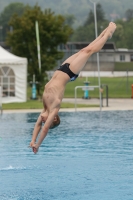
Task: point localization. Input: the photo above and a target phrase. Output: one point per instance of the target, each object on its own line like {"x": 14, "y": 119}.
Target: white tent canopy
{"x": 13, "y": 77}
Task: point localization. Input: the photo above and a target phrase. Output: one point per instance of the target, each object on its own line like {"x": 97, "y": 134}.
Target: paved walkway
{"x": 113, "y": 104}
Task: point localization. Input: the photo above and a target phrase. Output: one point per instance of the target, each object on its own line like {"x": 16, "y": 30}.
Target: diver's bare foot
{"x": 111, "y": 29}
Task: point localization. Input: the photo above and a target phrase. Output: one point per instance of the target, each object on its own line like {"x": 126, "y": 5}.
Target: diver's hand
{"x": 32, "y": 143}
{"x": 35, "y": 148}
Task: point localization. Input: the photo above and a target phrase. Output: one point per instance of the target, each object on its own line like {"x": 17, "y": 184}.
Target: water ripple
{"x": 89, "y": 156}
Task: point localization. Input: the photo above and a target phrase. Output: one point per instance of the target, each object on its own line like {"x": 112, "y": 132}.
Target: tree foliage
{"x": 52, "y": 31}
{"x": 87, "y": 31}
{"x": 129, "y": 14}
{"x": 69, "y": 19}
{"x": 100, "y": 15}
{"x": 8, "y": 12}
{"x": 123, "y": 34}
{"x": 79, "y": 8}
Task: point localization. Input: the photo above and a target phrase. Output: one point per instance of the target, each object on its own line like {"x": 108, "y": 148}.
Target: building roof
{"x": 80, "y": 45}
{"x": 8, "y": 58}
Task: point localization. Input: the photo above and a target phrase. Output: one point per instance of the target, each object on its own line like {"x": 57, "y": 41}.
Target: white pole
{"x": 98, "y": 63}
{"x": 38, "y": 45}
{"x": 95, "y": 19}
{"x": 34, "y": 78}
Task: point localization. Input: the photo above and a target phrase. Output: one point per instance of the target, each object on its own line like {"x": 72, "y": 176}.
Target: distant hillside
{"x": 79, "y": 8}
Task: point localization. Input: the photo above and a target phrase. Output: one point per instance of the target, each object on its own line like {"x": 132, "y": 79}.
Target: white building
{"x": 13, "y": 77}
{"x": 109, "y": 56}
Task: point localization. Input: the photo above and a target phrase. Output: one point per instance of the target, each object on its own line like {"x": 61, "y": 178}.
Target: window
{"x": 122, "y": 57}
{"x": 131, "y": 57}
{"x": 7, "y": 81}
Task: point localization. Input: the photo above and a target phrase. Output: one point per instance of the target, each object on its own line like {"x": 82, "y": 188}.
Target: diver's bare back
{"x": 54, "y": 90}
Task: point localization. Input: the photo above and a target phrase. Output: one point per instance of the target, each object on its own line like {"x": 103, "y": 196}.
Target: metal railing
{"x": 107, "y": 90}
{"x": 85, "y": 88}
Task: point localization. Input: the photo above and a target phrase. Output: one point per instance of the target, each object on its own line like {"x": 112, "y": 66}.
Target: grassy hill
{"x": 79, "y": 8}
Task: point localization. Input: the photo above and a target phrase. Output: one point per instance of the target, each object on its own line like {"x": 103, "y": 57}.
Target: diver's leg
{"x": 77, "y": 64}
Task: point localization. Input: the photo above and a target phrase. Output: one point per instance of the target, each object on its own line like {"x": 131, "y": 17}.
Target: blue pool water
{"x": 88, "y": 157}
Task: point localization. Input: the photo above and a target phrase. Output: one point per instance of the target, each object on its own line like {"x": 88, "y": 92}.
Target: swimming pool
{"x": 89, "y": 156}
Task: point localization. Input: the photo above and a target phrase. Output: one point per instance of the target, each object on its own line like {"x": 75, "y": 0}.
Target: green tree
{"x": 52, "y": 30}
{"x": 100, "y": 15}
{"x": 69, "y": 19}
{"x": 87, "y": 31}
{"x": 84, "y": 34}
{"x": 128, "y": 34}
{"x": 119, "y": 36}
{"x": 129, "y": 14}
{"x": 6, "y": 15}
{"x": 124, "y": 34}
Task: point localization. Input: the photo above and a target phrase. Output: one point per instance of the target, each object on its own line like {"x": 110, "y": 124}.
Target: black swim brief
{"x": 65, "y": 68}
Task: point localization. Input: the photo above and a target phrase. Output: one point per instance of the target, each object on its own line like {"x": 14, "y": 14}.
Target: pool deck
{"x": 113, "y": 104}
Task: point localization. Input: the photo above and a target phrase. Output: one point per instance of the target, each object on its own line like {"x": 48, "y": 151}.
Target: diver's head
{"x": 55, "y": 122}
